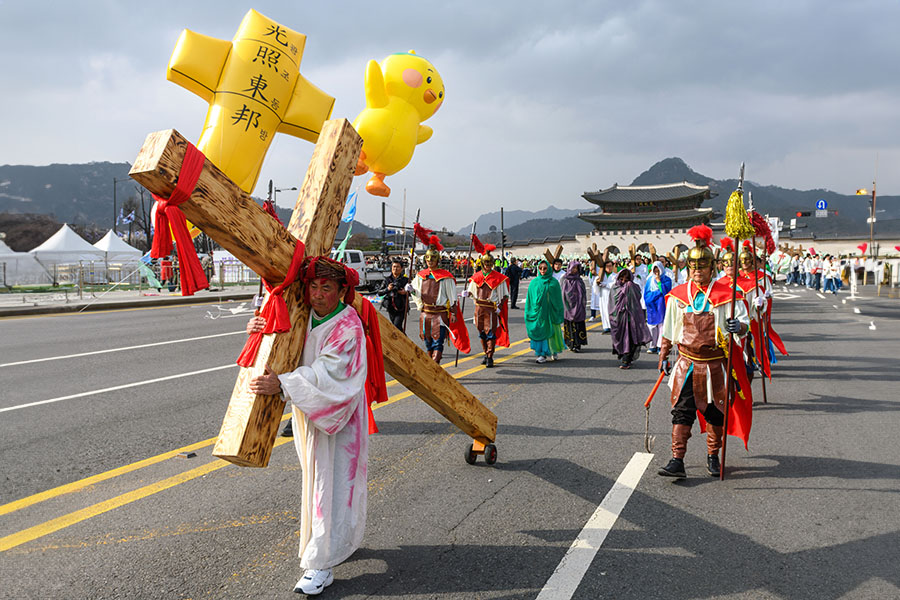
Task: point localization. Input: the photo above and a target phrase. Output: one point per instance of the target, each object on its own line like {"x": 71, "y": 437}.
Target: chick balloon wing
{"x": 376, "y": 95}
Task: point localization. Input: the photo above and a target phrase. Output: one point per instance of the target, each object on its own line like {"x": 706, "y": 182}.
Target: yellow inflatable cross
{"x": 254, "y": 89}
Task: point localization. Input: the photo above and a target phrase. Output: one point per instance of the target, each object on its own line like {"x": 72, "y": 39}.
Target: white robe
{"x": 604, "y": 284}
{"x": 328, "y": 397}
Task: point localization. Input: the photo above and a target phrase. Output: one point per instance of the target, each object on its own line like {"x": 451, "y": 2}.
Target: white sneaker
{"x": 554, "y": 358}
{"x": 314, "y": 581}
{"x": 591, "y": 320}
{"x": 541, "y": 359}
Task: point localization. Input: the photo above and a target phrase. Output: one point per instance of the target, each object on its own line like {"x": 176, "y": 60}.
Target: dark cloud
{"x": 544, "y": 100}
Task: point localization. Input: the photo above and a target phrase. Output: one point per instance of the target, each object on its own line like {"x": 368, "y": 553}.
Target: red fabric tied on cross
{"x": 168, "y": 214}
{"x": 274, "y": 311}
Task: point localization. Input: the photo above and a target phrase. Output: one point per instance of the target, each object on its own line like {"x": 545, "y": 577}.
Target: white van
{"x": 356, "y": 260}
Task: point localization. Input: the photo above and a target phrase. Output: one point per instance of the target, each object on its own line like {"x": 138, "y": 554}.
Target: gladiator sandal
{"x": 675, "y": 468}
{"x": 484, "y": 346}
{"x": 490, "y": 353}
{"x": 713, "y": 443}
{"x": 437, "y": 356}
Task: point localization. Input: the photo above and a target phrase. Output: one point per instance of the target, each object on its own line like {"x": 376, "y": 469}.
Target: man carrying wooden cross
{"x": 328, "y": 400}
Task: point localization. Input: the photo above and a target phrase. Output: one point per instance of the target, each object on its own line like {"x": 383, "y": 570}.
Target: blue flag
{"x": 350, "y": 208}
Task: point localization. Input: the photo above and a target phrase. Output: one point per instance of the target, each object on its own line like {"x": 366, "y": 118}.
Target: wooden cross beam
{"x": 229, "y": 216}
{"x": 595, "y": 256}
{"x": 552, "y": 256}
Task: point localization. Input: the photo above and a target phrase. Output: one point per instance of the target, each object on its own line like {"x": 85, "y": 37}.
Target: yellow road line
{"x": 93, "y": 479}
{"x": 408, "y": 393}
{"x": 32, "y": 533}
{"x": 88, "y": 481}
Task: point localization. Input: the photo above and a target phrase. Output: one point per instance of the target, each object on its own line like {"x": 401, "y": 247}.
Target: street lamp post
{"x": 276, "y": 190}
{"x": 872, "y": 225}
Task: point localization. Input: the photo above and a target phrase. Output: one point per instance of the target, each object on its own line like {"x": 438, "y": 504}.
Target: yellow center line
{"x": 53, "y": 525}
{"x": 42, "y": 529}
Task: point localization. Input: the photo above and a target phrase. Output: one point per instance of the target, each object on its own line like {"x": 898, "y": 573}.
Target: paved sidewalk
{"x": 67, "y": 301}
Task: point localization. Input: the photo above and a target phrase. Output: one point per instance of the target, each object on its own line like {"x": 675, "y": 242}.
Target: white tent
{"x": 116, "y": 250}
{"x": 66, "y": 247}
{"x": 70, "y": 259}
{"x": 20, "y": 268}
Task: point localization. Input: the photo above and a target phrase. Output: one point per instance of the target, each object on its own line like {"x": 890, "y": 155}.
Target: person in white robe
{"x": 601, "y": 287}
{"x": 330, "y": 422}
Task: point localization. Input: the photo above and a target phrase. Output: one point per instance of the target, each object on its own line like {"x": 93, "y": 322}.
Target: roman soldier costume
{"x": 434, "y": 292}
{"x": 490, "y": 290}
{"x": 697, "y": 322}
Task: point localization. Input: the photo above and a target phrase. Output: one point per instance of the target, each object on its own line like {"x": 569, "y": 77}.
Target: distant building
{"x": 668, "y": 208}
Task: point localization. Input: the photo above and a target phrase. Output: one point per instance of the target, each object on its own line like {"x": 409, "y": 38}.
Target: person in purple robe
{"x": 574, "y": 295}
{"x": 627, "y": 320}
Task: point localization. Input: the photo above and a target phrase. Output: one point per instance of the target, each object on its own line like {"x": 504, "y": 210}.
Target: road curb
{"x": 120, "y": 304}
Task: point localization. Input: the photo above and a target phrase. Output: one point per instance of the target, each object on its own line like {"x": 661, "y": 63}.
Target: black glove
{"x": 732, "y": 326}
{"x": 665, "y": 366}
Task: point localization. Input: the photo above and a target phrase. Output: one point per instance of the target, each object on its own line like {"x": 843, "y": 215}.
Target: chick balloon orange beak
{"x": 429, "y": 96}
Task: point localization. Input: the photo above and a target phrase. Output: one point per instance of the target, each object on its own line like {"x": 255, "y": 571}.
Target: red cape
{"x": 493, "y": 280}
{"x": 719, "y": 293}
{"x": 438, "y": 274}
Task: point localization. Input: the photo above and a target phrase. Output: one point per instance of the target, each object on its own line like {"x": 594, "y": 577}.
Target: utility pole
{"x": 502, "y": 241}
{"x": 115, "y": 213}
{"x": 383, "y": 232}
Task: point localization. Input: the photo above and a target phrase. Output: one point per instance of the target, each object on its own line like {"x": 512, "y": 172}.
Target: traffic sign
{"x": 389, "y": 243}
{"x": 821, "y": 212}
{"x": 390, "y": 232}
{"x": 821, "y": 205}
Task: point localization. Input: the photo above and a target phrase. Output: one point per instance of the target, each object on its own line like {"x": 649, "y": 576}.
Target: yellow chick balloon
{"x": 402, "y": 92}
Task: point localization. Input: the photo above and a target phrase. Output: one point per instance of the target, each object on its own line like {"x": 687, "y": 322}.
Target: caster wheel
{"x": 490, "y": 454}
{"x": 471, "y": 456}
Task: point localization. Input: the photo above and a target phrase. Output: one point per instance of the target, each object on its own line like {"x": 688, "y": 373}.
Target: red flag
{"x": 740, "y": 416}
{"x": 862, "y": 247}
{"x": 459, "y": 335}
{"x": 502, "y": 331}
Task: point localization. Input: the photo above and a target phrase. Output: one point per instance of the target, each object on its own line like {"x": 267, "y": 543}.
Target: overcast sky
{"x": 544, "y": 100}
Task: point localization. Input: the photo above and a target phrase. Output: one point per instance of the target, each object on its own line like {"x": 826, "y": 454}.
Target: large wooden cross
{"x": 229, "y": 216}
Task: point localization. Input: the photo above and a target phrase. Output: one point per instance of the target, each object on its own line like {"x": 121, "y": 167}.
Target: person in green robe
{"x": 544, "y": 314}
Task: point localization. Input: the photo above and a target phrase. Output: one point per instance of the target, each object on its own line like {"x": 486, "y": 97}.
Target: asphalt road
{"x": 95, "y": 502}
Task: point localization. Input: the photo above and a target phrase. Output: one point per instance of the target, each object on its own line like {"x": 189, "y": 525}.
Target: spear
{"x": 732, "y": 213}
{"x": 412, "y": 260}
{"x": 760, "y": 352}
{"x": 462, "y": 308}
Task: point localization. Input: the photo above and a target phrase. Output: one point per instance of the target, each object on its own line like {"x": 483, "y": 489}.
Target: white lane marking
{"x": 118, "y": 387}
{"x": 820, "y": 295}
{"x": 872, "y": 325}
{"x": 193, "y": 339}
{"x": 573, "y": 566}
